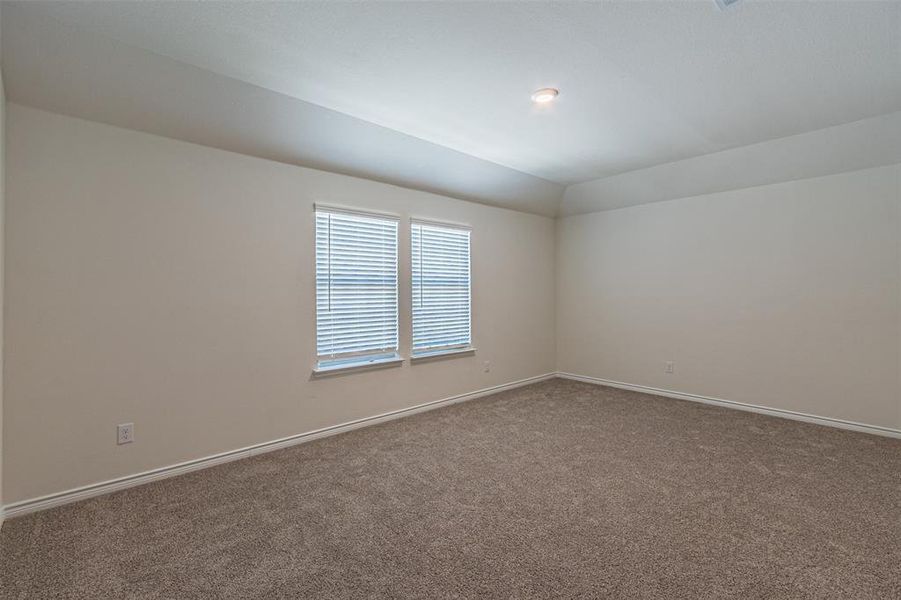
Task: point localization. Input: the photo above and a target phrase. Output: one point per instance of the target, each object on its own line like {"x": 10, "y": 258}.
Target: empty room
{"x": 473, "y": 300}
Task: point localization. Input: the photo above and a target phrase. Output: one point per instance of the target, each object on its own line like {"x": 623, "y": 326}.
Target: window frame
{"x": 362, "y": 360}
{"x": 449, "y": 351}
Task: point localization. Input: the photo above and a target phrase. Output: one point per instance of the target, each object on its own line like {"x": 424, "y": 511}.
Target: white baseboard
{"x": 764, "y": 410}
{"x": 25, "y": 507}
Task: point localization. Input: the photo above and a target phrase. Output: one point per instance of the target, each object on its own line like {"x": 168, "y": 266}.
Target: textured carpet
{"x": 559, "y": 489}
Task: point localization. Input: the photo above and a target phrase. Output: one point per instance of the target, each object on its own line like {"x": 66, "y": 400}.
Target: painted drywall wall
{"x": 2, "y": 244}
{"x": 784, "y": 295}
{"x": 171, "y": 285}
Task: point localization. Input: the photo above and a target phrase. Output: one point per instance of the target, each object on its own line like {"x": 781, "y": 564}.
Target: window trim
{"x": 433, "y": 355}
{"x": 348, "y": 210}
{"x": 353, "y": 365}
{"x": 442, "y": 352}
{"x": 445, "y": 224}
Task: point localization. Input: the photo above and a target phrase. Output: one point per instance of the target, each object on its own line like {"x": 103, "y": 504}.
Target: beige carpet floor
{"x": 556, "y": 490}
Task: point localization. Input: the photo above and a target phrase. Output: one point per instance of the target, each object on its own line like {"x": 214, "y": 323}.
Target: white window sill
{"x": 440, "y": 354}
{"x": 354, "y": 366}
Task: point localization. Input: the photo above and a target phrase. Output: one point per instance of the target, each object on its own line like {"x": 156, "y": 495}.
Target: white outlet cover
{"x": 126, "y": 433}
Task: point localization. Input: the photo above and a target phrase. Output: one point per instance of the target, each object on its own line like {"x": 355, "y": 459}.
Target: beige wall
{"x": 785, "y": 295}
{"x": 171, "y": 285}
{"x": 2, "y": 244}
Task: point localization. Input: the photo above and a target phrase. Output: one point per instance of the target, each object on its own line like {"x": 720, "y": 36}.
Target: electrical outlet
{"x": 487, "y": 366}
{"x": 669, "y": 367}
{"x": 126, "y": 433}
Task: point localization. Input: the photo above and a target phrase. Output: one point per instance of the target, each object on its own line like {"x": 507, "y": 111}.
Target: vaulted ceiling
{"x": 436, "y": 95}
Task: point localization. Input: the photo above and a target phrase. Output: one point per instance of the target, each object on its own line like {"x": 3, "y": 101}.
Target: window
{"x": 356, "y": 289}
{"x": 441, "y": 288}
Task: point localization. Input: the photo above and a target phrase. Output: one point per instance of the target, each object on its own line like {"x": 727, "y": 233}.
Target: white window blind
{"x": 441, "y": 287}
{"x": 356, "y": 286}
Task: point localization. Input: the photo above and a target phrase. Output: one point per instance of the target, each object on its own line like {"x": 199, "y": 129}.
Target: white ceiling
{"x": 52, "y": 66}
{"x": 642, "y": 83}
{"x": 852, "y": 146}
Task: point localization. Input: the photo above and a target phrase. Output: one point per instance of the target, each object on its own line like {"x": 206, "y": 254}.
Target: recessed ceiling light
{"x": 544, "y": 95}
